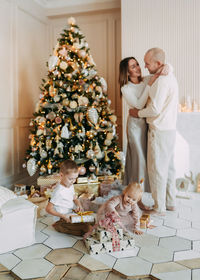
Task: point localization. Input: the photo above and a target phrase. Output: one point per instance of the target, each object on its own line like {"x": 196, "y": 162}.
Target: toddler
{"x": 64, "y": 201}
{"x": 125, "y": 207}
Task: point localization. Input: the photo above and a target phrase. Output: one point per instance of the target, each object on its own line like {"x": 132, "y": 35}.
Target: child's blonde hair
{"x": 68, "y": 166}
{"x": 134, "y": 187}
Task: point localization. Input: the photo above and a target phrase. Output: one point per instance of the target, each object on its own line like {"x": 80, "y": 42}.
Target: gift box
{"x": 87, "y": 188}
{"x": 48, "y": 180}
{"x": 104, "y": 235}
{"x": 144, "y": 221}
{"x": 95, "y": 247}
{"x": 127, "y": 243}
{"x": 89, "y": 196}
{"x": 82, "y": 217}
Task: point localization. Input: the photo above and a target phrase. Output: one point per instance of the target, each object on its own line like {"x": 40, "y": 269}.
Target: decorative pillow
{"x": 5, "y": 195}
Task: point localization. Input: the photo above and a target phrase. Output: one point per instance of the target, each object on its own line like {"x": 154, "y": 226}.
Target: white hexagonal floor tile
{"x": 191, "y": 234}
{"x": 185, "y": 255}
{"x": 107, "y": 259}
{"x": 146, "y": 240}
{"x": 27, "y": 269}
{"x": 63, "y": 241}
{"x": 162, "y": 231}
{"x": 48, "y": 220}
{"x": 134, "y": 266}
{"x": 177, "y": 223}
{"x": 127, "y": 253}
{"x": 33, "y": 252}
{"x": 175, "y": 243}
{"x": 40, "y": 226}
{"x": 9, "y": 260}
{"x": 40, "y": 237}
{"x": 183, "y": 275}
{"x": 156, "y": 254}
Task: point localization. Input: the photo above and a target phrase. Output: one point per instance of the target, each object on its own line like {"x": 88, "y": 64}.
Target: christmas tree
{"x": 73, "y": 118}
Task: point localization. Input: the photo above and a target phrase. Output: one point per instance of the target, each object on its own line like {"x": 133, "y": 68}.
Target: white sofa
{"x": 17, "y": 221}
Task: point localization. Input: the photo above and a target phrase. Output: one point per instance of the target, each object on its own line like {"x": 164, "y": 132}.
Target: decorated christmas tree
{"x": 73, "y": 118}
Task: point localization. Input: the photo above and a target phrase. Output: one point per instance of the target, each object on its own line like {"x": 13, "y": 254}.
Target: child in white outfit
{"x": 64, "y": 201}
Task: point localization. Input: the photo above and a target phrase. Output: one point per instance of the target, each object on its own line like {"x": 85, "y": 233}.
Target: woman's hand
{"x": 163, "y": 71}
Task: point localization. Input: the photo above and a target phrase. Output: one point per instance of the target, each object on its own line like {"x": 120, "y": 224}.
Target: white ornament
{"x": 90, "y": 154}
{"x": 81, "y": 134}
{"x": 82, "y": 53}
{"x": 56, "y": 98}
{"x": 65, "y": 132}
{"x": 43, "y": 154}
{"x": 53, "y": 60}
{"x": 31, "y": 166}
{"x": 63, "y": 65}
{"x": 71, "y": 21}
{"x": 92, "y": 115}
{"x": 104, "y": 84}
{"x": 92, "y": 73}
{"x": 39, "y": 132}
{"x": 83, "y": 101}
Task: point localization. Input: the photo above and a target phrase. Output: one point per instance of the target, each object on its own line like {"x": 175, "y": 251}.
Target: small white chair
{"x": 17, "y": 221}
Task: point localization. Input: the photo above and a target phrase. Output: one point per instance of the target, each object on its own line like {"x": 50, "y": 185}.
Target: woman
{"x": 134, "y": 89}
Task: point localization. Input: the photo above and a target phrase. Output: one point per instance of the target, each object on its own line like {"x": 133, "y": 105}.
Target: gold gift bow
{"x": 84, "y": 214}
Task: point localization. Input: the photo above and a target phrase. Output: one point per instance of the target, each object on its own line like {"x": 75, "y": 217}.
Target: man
{"x": 161, "y": 115}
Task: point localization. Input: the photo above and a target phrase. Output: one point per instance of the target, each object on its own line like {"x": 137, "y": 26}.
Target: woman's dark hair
{"x": 123, "y": 71}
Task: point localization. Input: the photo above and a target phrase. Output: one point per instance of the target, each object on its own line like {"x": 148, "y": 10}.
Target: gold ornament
{"x": 49, "y": 165}
{"x": 106, "y": 158}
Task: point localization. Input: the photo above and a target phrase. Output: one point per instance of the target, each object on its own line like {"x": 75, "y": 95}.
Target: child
{"x": 63, "y": 199}
{"x": 125, "y": 207}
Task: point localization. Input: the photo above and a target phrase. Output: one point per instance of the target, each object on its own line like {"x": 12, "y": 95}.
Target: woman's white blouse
{"x": 136, "y": 95}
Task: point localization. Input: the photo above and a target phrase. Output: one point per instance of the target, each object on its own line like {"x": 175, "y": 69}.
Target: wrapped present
{"x": 87, "y": 188}
{"x": 20, "y": 189}
{"x": 82, "y": 217}
{"x": 89, "y": 196}
{"x": 127, "y": 243}
{"x": 95, "y": 247}
{"x": 144, "y": 221}
{"x": 105, "y": 235}
{"x": 48, "y": 180}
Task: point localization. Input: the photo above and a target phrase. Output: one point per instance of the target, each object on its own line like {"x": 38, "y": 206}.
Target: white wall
{"x": 171, "y": 25}
{"x": 24, "y": 41}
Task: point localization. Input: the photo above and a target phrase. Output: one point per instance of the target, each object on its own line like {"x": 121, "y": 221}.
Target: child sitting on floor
{"x": 63, "y": 201}
{"x": 125, "y": 207}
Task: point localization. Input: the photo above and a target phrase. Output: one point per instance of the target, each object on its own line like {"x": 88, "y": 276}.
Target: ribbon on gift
{"x": 84, "y": 214}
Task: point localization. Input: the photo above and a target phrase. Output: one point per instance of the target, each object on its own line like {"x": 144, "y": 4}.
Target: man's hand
{"x": 133, "y": 113}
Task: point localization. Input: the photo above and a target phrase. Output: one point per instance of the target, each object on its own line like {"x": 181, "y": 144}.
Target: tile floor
{"x": 171, "y": 251}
